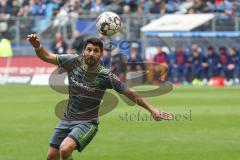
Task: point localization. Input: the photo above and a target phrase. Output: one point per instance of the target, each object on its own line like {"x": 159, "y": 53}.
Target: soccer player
{"x": 210, "y": 64}
{"x": 88, "y": 81}
{"x": 196, "y": 60}
{"x": 160, "y": 66}
{"x": 223, "y": 61}
{"x": 233, "y": 67}
{"x": 179, "y": 70}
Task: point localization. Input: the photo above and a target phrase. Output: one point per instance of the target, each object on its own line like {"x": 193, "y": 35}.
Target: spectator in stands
{"x": 217, "y": 2}
{"x": 200, "y": 6}
{"x": 87, "y": 5}
{"x": 59, "y": 46}
{"x": 233, "y": 8}
{"x": 126, "y": 9}
{"x": 37, "y": 8}
{"x": 144, "y": 6}
{"x": 158, "y": 7}
{"x": 5, "y": 47}
{"x": 131, "y": 3}
{"x": 223, "y": 60}
{"x": 24, "y": 10}
{"x": 105, "y": 59}
{"x": 118, "y": 64}
{"x": 160, "y": 66}
{"x": 98, "y": 6}
{"x": 55, "y": 11}
{"x": 26, "y": 23}
{"x": 180, "y": 72}
{"x": 224, "y": 9}
{"x": 210, "y": 64}
{"x": 185, "y": 6}
{"x": 72, "y": 8}
{"x": 5, "y": 9}
{"x": 233, "y": 67}
{"x": 135, "y": 61}
{"x": 196, "y": 60}
{"x": 11, "y": 23}
{"x": 14, "y": 8}
{"x": 78, "y": 43}
{"x": 79, "y": 10}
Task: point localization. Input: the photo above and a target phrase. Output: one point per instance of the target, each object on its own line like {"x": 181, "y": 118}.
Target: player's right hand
{"x": 34, "y": 40}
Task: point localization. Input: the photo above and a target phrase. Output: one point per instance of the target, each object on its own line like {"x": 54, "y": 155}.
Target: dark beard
{"x": 90, "y": 61}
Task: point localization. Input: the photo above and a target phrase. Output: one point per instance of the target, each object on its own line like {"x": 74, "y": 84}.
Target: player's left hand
{"x": 158, "y": 115}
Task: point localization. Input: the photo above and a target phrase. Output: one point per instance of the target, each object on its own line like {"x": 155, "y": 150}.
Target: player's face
{"x": 92, "y": 54}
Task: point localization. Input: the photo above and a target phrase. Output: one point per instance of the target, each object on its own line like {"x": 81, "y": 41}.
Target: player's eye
{"x": 89, "y": 49}
{"x": 96, "y": 50}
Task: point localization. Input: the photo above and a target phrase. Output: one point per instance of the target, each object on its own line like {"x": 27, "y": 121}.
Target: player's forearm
{"x": 45, "y": 55}
{"x": 132, "y": 95}
{"x": 141, "y": 102}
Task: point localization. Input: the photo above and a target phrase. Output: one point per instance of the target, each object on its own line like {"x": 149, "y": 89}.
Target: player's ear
{"x": 83, "y": 51}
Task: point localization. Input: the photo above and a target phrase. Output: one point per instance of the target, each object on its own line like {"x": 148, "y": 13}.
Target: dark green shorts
{"x": 81, "y": 132}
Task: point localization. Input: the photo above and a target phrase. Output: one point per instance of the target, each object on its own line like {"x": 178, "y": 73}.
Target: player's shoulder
{"x": 104, "y": 71}
{"x": 67, "y": 59}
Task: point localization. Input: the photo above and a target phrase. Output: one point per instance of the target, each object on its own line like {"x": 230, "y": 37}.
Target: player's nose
{"x": 91, "y": 53}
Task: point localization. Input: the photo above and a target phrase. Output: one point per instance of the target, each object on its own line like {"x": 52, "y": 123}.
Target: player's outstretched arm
{"x": 157, "y": 115}
{"x": 40, "y": 51}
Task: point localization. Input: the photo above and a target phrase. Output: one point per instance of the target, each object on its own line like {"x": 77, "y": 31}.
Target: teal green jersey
{"x": 86, "y": 88}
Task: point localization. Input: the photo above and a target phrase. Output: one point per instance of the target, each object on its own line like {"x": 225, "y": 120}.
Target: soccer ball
{"x": 108, "y": 23}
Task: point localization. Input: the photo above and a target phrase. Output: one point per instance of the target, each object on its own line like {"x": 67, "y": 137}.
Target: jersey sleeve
{"x": 115, "y": 83}
{"x": 65, "y": 60}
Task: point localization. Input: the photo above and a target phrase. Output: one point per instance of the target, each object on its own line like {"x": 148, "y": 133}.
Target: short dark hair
{"x": 94, "y": 41}
{"x": 210, "y": 48}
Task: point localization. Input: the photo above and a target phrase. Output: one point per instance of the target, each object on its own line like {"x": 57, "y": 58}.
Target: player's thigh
{"x": 58, "y": 137}
{"x": 53, "y": 154}
{"x": 83, "y": 134}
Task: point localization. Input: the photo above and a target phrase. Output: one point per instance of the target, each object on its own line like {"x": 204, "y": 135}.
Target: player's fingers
{"x": 30, "y": 37}
{"x": 33, "y": 37}
{"x": 162, "y": 116}
{"x": 169, "y": 117}
{"x": 36, "y": 37}
{"x": 166, "y": 116}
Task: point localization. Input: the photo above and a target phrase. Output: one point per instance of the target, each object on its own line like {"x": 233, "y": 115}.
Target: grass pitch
{"x": 207, "y": 126}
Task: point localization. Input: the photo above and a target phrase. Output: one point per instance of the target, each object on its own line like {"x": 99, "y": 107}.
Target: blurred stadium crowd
{"x": 58, "y": 12}
{"x": 10, "y": 8}
{"x": 180, "y": 64}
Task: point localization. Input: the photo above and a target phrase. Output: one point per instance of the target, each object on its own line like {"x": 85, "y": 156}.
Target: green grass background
{"x": 27, "y": 121}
